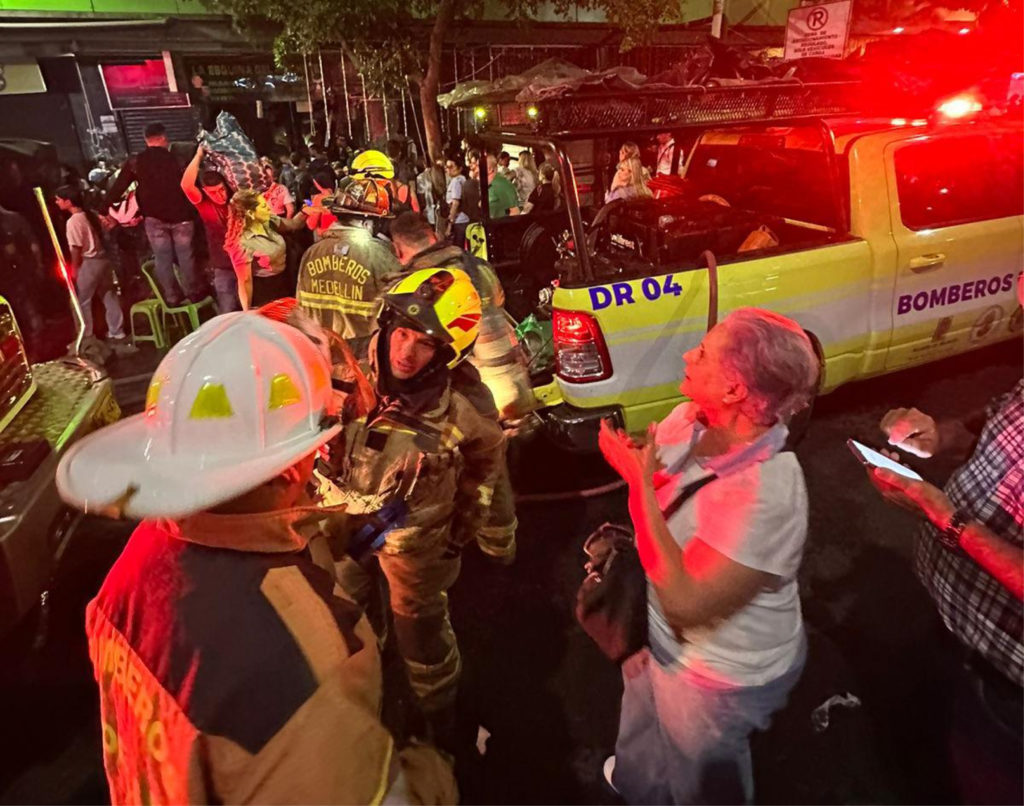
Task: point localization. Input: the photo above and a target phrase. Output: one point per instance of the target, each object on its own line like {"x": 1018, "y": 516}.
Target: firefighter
{"x": 376, "y": 165}
{"x": 417, "y": 475}
{"x": 418, "y": 247}
{"x": 343, "y": 275}
{"x": 230, "y": 667}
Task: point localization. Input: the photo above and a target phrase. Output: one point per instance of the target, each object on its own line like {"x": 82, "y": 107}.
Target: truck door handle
{"x": 927, "y": 262}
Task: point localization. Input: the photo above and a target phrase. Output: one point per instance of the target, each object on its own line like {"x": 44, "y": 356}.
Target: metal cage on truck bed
{"x": 595, "y": 112}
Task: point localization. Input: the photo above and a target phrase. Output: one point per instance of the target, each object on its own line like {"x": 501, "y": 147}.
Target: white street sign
{"x": 818, "y": 31}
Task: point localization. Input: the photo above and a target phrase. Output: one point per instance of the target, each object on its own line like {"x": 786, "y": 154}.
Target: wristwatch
{"x": 950, "y": 536}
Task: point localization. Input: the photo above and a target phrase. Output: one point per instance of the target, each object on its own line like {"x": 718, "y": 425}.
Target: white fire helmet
{"x": 233, "y": 405}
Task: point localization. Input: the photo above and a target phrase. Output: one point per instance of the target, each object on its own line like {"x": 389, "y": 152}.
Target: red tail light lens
{"x": 580, "y": 352}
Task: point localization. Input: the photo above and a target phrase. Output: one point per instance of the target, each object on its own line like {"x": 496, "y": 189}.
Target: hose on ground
{"x": 568, "y": 495}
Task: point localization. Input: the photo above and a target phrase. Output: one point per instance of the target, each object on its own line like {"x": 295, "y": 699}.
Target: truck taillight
{"x": 580, "y": 352}
{"x": 961, "y": 106}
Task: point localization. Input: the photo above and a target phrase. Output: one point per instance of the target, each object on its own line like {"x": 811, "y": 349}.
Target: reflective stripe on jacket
{"x": 341, "y": 280}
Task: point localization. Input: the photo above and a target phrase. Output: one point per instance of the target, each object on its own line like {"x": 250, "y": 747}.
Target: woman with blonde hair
{"x": 258, "y": 253}
{"x": 526, "y": 176}
{"x": 630, "y": 149}
{"x": 629, "y": 182}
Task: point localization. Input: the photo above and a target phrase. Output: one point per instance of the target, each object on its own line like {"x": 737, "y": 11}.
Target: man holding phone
{"x": 970, "y": 557}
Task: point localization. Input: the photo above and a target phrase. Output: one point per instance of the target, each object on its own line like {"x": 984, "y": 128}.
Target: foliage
{"x": 393, "y": 41}
{"x": 385, "y": 39}
{"x": 638, "y": 20}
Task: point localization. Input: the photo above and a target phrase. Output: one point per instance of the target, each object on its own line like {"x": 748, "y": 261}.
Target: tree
{"x": 390, "y": 42}
{"x": 395, "y": 41}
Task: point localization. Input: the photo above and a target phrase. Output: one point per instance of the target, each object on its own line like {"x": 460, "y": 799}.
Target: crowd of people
{"x": 244, "y": 248}
{"x": 313, "y": 462}
{"x": 203, "y": 241}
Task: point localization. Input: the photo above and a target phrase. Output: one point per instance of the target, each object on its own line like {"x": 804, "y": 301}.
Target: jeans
{"x": 94, "y": 278}
{"x": 418, "y": 583}
{"x": 172, "y": 242}
{"x": 684, "y": 738}
{"x": 225, "y": 284}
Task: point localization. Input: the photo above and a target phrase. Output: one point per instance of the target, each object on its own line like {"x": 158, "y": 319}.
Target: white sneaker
{"x": 609, "y": 768}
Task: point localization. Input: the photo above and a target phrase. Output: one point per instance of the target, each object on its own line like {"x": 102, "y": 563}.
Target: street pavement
{"x": 543, "y": 693}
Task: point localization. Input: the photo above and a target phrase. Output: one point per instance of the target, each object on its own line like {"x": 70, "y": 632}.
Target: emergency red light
{"x": 960, "y": 107}
{"x": 899, "y": 29}
{"x": 581, "y": 354}
{"x": 964, "y": 31}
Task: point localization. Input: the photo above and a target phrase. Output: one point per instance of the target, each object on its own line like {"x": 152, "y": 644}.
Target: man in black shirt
{"x": 168, "y": 217}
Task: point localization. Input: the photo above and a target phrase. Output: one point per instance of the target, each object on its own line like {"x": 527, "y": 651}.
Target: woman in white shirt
{"x": 89, "y": 264}
{"x": 726, "y": 638}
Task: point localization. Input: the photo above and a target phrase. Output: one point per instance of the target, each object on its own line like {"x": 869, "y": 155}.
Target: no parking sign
{"x": 818, "y": 31}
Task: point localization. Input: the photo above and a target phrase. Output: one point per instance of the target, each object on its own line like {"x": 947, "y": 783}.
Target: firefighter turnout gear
{"x": 233, "y": 405}
{"x": 341, "y": 280}
{"x": 442, "y": 303}
{"x": 426, "y": 447}
{"x": 231, "y": 669}
{"x": 497, "y": 537}
{"x": 496, "y": 353}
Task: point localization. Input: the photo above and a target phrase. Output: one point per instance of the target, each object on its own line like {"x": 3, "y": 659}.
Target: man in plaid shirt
{"x": 970, "y": 557}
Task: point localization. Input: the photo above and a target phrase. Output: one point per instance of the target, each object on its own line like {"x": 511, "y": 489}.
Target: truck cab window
{"x": 949, "y": 181}
{"x": 779, "y": 172}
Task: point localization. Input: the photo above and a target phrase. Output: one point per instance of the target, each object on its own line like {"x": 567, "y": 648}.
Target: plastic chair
{"x": 186, "y": 316}
{"x": 150, "y": 309}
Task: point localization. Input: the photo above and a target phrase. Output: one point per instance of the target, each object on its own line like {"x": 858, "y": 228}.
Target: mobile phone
{"x": 873, "y": 458}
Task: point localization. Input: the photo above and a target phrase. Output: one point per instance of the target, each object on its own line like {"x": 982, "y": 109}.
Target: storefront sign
{"x": 818, "y": 31}
{"x": 21, "y": 78}
{"x": 243, "y": 80}
{"x": 140, "y": 85}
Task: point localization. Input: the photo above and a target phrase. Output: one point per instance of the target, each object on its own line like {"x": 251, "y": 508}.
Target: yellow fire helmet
{"x": 374, "y": 164}
{"x": 441, "y": 303}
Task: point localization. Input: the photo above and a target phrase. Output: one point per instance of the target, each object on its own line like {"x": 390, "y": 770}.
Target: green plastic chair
{"x": 184, "y": 316}
{"x": 150, "y": 308}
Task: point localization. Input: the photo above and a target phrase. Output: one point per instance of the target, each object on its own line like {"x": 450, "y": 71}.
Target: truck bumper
{"x": 576, "y": 429}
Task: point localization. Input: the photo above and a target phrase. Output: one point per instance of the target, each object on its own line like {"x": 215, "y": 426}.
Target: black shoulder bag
{"x": 611, "y": 604}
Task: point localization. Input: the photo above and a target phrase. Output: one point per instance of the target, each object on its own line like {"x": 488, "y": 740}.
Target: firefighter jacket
{"x": 446, "y": 255}
{"x": 341, "y": 280}
{"x": 433, "y": 453}
{"x": 232, "y": 669}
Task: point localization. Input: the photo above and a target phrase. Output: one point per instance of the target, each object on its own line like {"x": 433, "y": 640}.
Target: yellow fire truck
{"x": 892, "y": 241}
